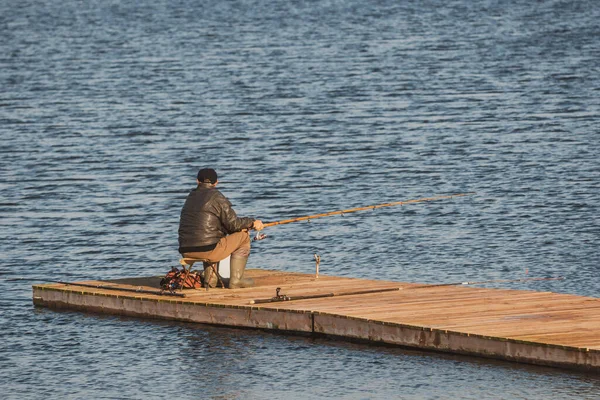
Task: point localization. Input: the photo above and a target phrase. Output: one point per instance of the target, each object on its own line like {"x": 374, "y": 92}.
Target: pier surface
{"x": 541, "y": 328}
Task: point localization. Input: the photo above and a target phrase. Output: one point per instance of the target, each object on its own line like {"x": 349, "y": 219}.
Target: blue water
{"x": 108, "y": 109}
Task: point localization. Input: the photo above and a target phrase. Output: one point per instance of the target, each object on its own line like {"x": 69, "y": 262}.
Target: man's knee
{"x": 243, "y": 250}
{"x": 243, "y": 239}
{"x": 246, "y": 241}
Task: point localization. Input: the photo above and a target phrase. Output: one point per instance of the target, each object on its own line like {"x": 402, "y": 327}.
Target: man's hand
{"x": 258, "y": 225}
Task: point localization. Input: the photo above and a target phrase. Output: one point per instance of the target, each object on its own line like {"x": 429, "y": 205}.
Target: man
{"x": 209, "y": 228}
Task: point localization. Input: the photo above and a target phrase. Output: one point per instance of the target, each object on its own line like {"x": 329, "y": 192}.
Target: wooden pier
{"x": 541, "y": 328}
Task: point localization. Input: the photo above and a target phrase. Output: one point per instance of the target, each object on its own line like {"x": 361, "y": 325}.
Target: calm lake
{"x": 109, "y": 108}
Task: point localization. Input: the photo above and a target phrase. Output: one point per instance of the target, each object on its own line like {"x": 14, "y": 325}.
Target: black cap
{"x": 207, "y": 175}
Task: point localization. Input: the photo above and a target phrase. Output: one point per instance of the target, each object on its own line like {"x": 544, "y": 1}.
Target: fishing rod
{"x": 260, "y": 236}
{"x": 552, "y": 278}
{"x": 280, "y": 297}
{"x": 157, "y": 292}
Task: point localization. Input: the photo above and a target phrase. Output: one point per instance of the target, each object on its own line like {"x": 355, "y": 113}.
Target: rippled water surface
{"x": 108, "y": 109}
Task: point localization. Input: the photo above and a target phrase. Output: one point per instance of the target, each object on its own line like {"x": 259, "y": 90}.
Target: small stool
{"x": 210, "y": 267}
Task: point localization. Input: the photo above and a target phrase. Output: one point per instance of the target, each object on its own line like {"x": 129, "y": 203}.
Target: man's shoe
{"x": 236, "y": 279}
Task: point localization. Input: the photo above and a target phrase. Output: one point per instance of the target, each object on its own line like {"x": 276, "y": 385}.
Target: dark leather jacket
{"x": 206, "y": 217}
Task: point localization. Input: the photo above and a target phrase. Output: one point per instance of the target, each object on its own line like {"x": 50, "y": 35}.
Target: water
{"x": 108, "y": 109}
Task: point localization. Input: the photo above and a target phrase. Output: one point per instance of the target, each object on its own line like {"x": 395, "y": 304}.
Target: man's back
{"x": 206, "y": 217}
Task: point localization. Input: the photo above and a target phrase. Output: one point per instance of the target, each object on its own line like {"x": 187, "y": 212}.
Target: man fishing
{"x": 210, "y": 229}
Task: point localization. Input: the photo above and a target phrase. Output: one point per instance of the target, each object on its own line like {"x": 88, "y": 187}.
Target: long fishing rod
{"x": 280, "y": 297}
{"x": 351, "y": 210}
{"x": 106, "y": 287}
{"x": 552, "y": 278}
